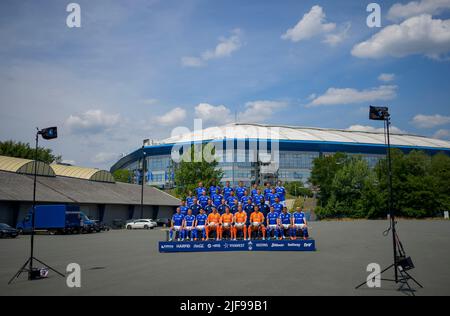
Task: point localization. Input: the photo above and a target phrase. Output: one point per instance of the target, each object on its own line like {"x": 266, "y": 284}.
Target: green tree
{"x": 191, "y": 170}
{"x": 323, "y": 172}
{"x": 23, "y": 150}
{"x": 122, "y": 175}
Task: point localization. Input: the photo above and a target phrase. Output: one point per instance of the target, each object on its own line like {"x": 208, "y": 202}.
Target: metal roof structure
{"x": 25, "y": 166}
{"x": 19, "y": 187}
{"x": 304, "y": 134}
{"x": 83, "y": 173}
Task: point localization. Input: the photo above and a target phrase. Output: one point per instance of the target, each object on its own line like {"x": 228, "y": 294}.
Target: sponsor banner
{"x": 239, "y": 245}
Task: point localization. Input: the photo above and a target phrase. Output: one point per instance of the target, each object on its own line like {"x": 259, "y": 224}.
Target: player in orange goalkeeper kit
{"x": 240, "y": 218}
{"x": 256, "y": 223}
{"x": 226, "y": 222}
{"x": 213, "y": 223}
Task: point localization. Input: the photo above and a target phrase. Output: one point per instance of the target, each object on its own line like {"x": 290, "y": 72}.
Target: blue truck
{"x": 62, "y": 219}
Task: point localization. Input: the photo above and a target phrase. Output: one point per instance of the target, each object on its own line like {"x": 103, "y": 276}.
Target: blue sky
{"x": 137, "y": 69}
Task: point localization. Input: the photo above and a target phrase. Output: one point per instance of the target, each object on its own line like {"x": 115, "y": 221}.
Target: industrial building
{"x": 296, "y": 148}
{"x": 99, "y": 196}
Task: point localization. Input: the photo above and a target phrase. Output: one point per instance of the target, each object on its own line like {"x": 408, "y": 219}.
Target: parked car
{"x": 163, "y": 221}
{"x": 100, "y": 227}
{"x": 8, "y": 231}
{"x": 141, "y": 224}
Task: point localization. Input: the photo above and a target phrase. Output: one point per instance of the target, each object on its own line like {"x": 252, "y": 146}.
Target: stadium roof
{"x": 305, "y": 134}
{"x": 25, "y": 166}
{"x": 83, "y": 173}
{"x": 19, "y": 187}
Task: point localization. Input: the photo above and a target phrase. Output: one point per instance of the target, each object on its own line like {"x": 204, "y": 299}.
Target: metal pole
{"x": 391, "y": 211}
{"x": 33, "y": 217}
{"x": 142, "y": 180}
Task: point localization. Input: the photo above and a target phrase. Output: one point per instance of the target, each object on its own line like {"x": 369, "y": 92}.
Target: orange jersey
{"x": 257, "y": 217}
{"x": 214, "y": 218}
{"x": 241, "y": 217}
{"x": 227, "y": 218}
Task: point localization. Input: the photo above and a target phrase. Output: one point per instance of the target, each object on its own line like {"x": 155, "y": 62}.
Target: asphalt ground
{"x": 128, "y": 263}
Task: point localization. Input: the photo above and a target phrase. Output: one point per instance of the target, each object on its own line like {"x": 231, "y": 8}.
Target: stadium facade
{"x": 243, "y": 151}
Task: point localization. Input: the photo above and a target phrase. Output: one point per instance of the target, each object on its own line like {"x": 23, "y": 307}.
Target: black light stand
{"x": 143, "y": 178}
{"x": 33, "y": 274}
{"x": 402, "y": 263}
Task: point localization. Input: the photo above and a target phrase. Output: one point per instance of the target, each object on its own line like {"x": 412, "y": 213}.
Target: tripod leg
{"x": 415, "y": 281}
{"x": 404, "y": 281}
{"x": 49, "y": 267}
{"x": 22, "y": 269}
{"x": 384, "y": 270}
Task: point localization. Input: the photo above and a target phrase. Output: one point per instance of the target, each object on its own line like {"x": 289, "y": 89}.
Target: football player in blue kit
{"x": 227, "y": 189}
{"x": 176, "y": 225}
{"x": 208, "y": 207}
{"x": 272, "y": 196}
{"x": 240, "y": 190}
{"x": 200, "y": 189}
{"x": 217, "y": 198}
{"x": 299, "y": 224}
{"x": 272, "y": 223}
{"x": 285, "y": 223}
{"x": 267, "y": 192}
{"x": 189, "y": 199}
{"x": 195, "y": 207}
{"x": 203, "y": 199}
{"x": 214, "y": 189}
{"x": 245, "y": 198}
{"x": 277, "y": 206}
{"x": 189, "y": 226}
{"x": 222, "y": 207}
{"x": 200, "y": 225}
{"x": 231, "y": 199}
{"x": 235, "y": 207}
{"x": 264, "y": 207}
{"x": 248, "y": 208}
{"x": 254, "y": 190}
{"x": 281, "y": 191}
{"x": 258, "y": 198}
{"x": 183, "y": 208}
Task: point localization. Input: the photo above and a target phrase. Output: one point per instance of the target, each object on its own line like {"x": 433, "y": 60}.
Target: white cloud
{"x": 192, "y": 62}
{"x": 386, "y": 77}
{"x": 150, "y": 101}
{"x": 68, "y": 162}
{"x": 367, "y": 128}
{"x": 430, "y": 121}
{"x": 334, "y": 39}
{"x": 92, "y": 121}
{"x": 226, "y": 46}
{"x": 103, "y": 158}
{"x": 260, "y": 111}
{"x": 335, "y": 96}
{"x": 417, "y": 35}
{"x": 211, "y": 113}
{"x": 174, "y": 116}
{"x": 312, "y": 24}
{"x": 402, "y": 11}
{"x": 442, "y": 134}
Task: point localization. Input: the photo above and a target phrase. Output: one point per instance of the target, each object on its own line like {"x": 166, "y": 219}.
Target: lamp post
{"x": 143, "y": 176}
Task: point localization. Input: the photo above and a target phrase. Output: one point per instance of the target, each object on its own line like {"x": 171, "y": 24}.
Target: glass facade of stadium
{"x": 295, "y": 159}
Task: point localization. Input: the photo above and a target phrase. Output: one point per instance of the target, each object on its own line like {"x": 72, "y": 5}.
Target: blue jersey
{"x": 189, "y": 201}
{"x": 278, "y": 207}
{"x": 221, "y": 208}
{"x": 184, "y": 210}
{"x": 208, "y": 209}
{"x": 231, "y": 199}
{"x": 203, "y": 200}
{"x": 264, "y": 208}
{"x": 299, "y": 218}
{"x": 267, "y": 191}
{"x": 285, "y": 218}
{"x": 249, "y": 209}
{"x": 272, "y": 197}
{"x": 240, "y": 192}
{"x": 245, "y": 198}
{"x": 234, "y": 209}
{"x": 227, "y": 191}
{"x": 201, "y": 219}
{"x": 254, "y": 192}
{"x": 273, "y": 218}
{"x": 195, "y": 209}
{"x": 189, "y": 220}
{"x": 217, "y": 199}
{"x": 281, "y": 191}
{"x": 177, "y": 219}
{"x": 213, "y": 190}
{"x": 200, "y": 191}
{"x": 257, "y": 198}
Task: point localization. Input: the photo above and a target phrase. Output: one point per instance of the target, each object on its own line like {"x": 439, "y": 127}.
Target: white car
{"x": 141, "y": 224}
